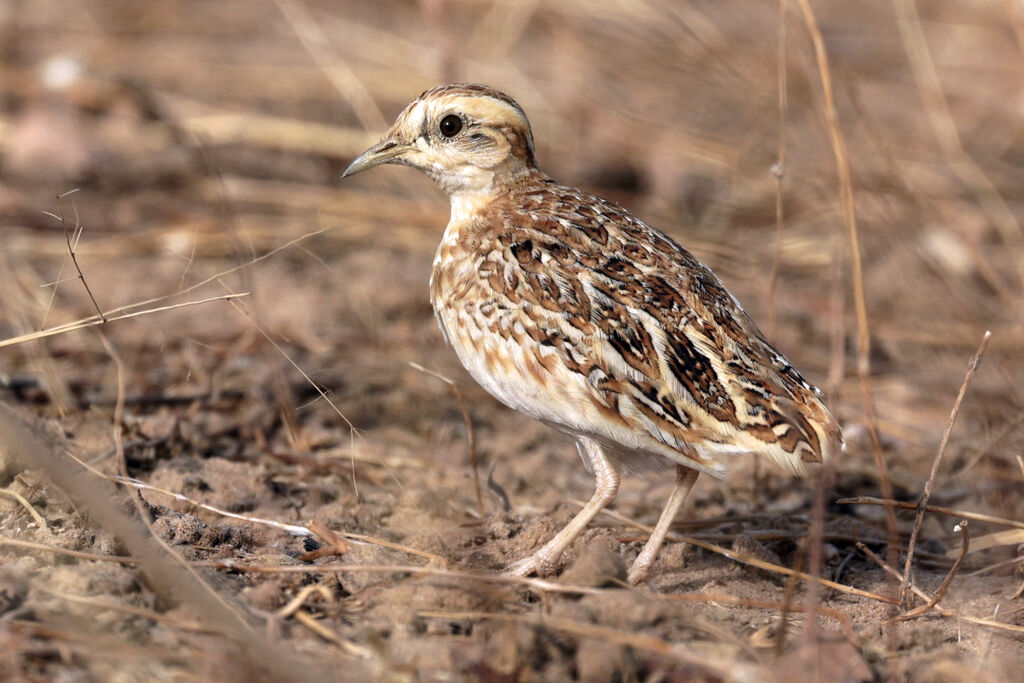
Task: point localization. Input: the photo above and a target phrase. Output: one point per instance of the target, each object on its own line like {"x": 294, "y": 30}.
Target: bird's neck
{"x": 468, "y": 200}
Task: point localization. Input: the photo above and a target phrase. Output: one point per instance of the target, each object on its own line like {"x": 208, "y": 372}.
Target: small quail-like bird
{"x": 571, "y": 310}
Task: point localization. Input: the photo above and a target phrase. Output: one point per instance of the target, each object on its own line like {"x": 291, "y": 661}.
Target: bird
{"x": 571, "y": 310}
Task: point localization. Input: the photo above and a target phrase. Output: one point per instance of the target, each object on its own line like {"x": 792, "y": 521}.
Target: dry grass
{"x": 856, "y": 185}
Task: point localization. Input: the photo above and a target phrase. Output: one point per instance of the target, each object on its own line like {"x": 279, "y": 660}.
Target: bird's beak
{"x": 385, "y": 151}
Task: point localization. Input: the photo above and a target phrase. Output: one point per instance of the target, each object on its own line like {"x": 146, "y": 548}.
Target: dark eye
{"x": 450, "y": 126}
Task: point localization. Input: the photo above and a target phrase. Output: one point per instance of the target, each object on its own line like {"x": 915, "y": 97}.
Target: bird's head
{"x": 470, "y": 139}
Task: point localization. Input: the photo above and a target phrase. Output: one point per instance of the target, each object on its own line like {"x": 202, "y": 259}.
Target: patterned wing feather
{"x": 636, "y": 342}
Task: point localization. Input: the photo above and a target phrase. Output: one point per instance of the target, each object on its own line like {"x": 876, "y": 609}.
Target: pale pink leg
{"x": 685, "y": 479}
{"x": 545, "y": 560}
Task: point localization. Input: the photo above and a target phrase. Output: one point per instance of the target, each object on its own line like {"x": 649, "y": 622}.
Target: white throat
{"x": 467, "y": 203}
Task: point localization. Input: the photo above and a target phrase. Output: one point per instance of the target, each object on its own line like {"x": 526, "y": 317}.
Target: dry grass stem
{"x": 470, "y": 439}
{"x": 952, "y": 512}
{"x": 92, "y": 646}
{"x": 995, "y": 539}
{"x": 300, "y": 599}
{"x": 539, "y": 585}
{"x": 980, "y": 621}
{"x": 94, "y": 321}
{"x": 72, "y": 242}
{"x": 128, "y": 609}
{"x": 142, "y": 507}
{"x": 294, "y": 529}
{"x": 996, "y": 566}
{"x": 350, "y": 648}
{"x": 20, "y": 499}
{"x": 29, "y": 545}
{"x": 922, "y": 504}
{"x": 965, "y": 544}
{"x": 643, "y": 643}
{"x": 291, "y": 361}
{"x": 781, "y": 607}
{"x": 373, "y": 540}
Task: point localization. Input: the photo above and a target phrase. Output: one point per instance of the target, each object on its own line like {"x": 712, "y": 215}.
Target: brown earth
{"x": 206, "y": 140}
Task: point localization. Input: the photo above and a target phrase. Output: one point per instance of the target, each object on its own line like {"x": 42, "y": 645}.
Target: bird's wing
{"x": 666, "y": 352}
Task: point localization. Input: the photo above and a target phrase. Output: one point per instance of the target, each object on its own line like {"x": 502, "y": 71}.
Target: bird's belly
{"x": 500, "y": 356}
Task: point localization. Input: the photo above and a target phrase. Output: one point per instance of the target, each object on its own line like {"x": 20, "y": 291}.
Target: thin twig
{"x": 937, "y": 608}
{"x": 92, "y": 321}
{"x": 40, "y": 522}
{"x": 637, "y": 641}
{"x": 997, "y": 566}
{"x": 294, "y": 609}
{"x": 129, "y": 609}
{"x": 922, "y": 504}
{"x": 721, "y": 598}
{"x": 470, "y": 439}
{"x": 903, "y": 505}
{"x": 323, "y": 394}
{"x": 837, "y": 325}
{"x": 373, "y": 540}
{"x": 71, "y": 247}
{"x": 760, "y": 564}
{"x": 222, "y": 274}
{"x": 965, "y": 544}
{"x": 294, "y": 529}
{"x": 299, "y": 600}
{"x": 353, "y": 432}
{"x": 540, "y": 585}
{"x": 29, "y": 545}
{"x": 307, "y": 620}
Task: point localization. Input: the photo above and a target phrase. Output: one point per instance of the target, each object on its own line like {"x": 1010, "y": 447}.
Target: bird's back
{"x": 572, "y": 310}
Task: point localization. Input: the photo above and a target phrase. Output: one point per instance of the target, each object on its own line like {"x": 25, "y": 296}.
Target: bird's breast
{"x": 490, "y": 333}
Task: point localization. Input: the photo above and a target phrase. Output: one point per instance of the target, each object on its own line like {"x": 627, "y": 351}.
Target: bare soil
{"x": 205, "y": 141}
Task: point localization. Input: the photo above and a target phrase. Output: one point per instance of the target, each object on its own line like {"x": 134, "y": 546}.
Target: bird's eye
{"x": 450, "y": 126}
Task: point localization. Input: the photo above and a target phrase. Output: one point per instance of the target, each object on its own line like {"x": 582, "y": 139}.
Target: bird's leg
{"x": 545, "y": 560}
{"x": 685, "y": 479}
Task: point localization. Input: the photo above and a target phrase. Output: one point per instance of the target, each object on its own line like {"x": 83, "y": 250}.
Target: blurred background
{"x": 205, "y": 141}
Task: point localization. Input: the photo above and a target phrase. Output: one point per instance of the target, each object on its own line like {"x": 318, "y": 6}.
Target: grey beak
{"x": 385, "y": 151}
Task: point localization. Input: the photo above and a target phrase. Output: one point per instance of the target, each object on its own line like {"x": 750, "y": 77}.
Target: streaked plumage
{"x": 568, "y": 308}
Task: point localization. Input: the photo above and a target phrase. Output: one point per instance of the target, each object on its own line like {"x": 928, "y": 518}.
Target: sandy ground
{"x": 205, "y": 141}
